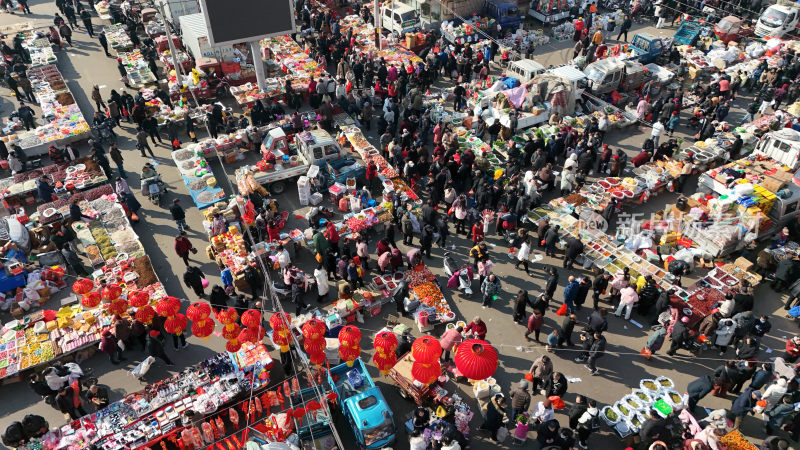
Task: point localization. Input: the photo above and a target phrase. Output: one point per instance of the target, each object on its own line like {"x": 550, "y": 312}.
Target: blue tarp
{"x": 201, "y": 205}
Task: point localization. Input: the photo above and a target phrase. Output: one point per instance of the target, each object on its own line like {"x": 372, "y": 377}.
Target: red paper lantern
{"x": 251, "y": 318}
{"x": 314, "y": 346}
{"x": 426, "y": 349}
{"x": 137, "y": 299}
{"x": 298, "y": 413}
{"x": 349, "y": 353}
{"x": 168, "y": 306}
{"x": 111, "y": 292}
{"x": 476, "y": 359}
{"x": 227, "y": 316}
{"x": 317, "y": 359}
{"x": 231, "y": 331}
{"x": 233, "y": 346}
{"x": 385, "y": 342}
{"x": 91, "y": 299}
{"x": 145, "y": 314}
{"x": 426, "y": 373}
{"x": 198, "y": 311}
{"x": 280, "y": 321}
{"x": 313, "y": 405}
{"x": 314, "y": 330}
{"x": 117, "y": 307}
{"x": 203, "y": 328}
{"x": 82, "y": 286}
{"x": 384, "y": 362}
{"x": 281, "y": 339}
{"x": 175, "y": 324}
{"x": 350, "y": 333}
{"x": 251, "y": 334}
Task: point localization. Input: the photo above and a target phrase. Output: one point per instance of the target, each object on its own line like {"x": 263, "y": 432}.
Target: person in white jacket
{"x": 54, "y": 381}
{"x": 775, "y": 392}
{"x": 322, "y": 282}
{"x": 586, "y": 422}
{"x": 524, "y": 254}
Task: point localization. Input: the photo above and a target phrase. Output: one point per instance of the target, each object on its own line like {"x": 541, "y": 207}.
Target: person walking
{"x": 588, "y": 423}
{"x": 101, "y": 37}
{"x": 571, "y": 293}
{"x": 142, "y": 144}
{"x": 520, "y": 400}
{"x": 520, "y": 303}
{"x": 698, "y": 389}
{"x": 68, "y": 401}
{"x": 155, "y": 347}
{"x": 628, "y": 298}
{"x": 183, "y": 246}
{"x": 567, "y": 328}
{"x": 596, "y": 350}
{"x": 193, "y": 278}
{"x": 524, "y": 254}
{"x": 744, "y": 405}
{"x": 321, "y": 277}
{"x": 116, "y": 156}
{"x": 490, "y": 288}
{"x": 109, "y": 346}
{"x": 179, "y": 215}
{"x": 535, "y": 322}
{"x": 626, "y": 26}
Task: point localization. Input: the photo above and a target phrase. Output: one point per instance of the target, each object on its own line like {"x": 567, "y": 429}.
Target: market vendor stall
{"x": 63, "y": 120}
{"x": 470, "y": 31}
{"x": 248, "y": 93}
{"x": 118, "y": 38}
{"x": 627, "y": 415}
{"x": 198, "y": 178}
{"x": 292, "y": 60}
{"x": 168, "y": 59}
{"x": 548, "y": 11}
{"x": 138, "y": 72}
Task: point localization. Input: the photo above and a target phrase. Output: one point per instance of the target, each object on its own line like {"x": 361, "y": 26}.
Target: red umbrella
{"x": 476, "y": 359}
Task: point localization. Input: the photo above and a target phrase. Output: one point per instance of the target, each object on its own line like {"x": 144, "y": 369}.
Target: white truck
{"x": 778, "y": 20}
{"x": 399, "y": 18}
{"x": 311, "y": 146}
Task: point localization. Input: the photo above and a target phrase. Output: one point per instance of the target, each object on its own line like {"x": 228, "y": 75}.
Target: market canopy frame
{"x": 236, "y": 21}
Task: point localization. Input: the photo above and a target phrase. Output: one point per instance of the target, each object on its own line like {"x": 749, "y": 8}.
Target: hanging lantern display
{"x": 117, "y": 307}
{"x": 202, "y": 328}
{"x": 198, "y": 311}
{"x": 231, "y": 331}
{"x": 280, "y": 326}
{"x": 350, "y": 333}
{"x": 251, "y": 318}
{"x": 227, "y": 316}
{"x": 145, "y": 314}
{"x": 385, "y": 342}
{"x": 281, "y": 340}
{"x": 313, "y": 405}
{"x": 111, "y": 292}
{"x": 175, "y": 324}
{"x": 476, "y": 359}
{"x": 168, "y": 306}
{"x": 82, "y": 286}
{"x": 233, "y": 346}
{"x": 314, "y": 330}
{"x": 137, "y": 299}
{"x": 426, "y": 349}
{"x": 426, "y": 373}
{"x": 91, "y": 299}
{"x": 384, "y": 361}
{"x": 317, "y": 358}
{"x": 252, "y": 334}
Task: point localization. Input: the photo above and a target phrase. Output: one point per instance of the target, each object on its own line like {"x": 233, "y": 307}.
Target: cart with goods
{"x": 410, "y": 389}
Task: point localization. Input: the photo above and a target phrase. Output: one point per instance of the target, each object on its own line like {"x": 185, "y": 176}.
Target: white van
{"x": 524, "y": 70}
{"x": 400, "y": 18}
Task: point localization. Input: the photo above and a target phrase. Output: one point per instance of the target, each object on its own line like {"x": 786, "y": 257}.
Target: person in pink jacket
{"x": 628, "y": 298}
{"x": 450, "y": 339}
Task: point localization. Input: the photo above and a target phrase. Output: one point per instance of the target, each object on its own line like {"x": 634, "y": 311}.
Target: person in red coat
{"x": 478, "y": 327}
{"x": 642, "y": 158}
{"x": 273, "y": 231}
{"x": 372, "y": 177}
{"x": 333, "y": 236}
{"x": 183, "y": 246}
{"x": 477, "y": 233}
{"x": 792, "y": 349}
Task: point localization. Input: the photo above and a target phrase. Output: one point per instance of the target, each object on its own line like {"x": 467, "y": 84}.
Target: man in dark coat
{"x": 679, "y": 335}
{"x": 599, "y": 285}
{"x": 155, "y": 347}
{"x": 698, "y": 389}
{"x": 743, "y": 405}
{"x": 573, "y": 250}
{"x": 653, "y": 429}
{"x": 193, "y": 278}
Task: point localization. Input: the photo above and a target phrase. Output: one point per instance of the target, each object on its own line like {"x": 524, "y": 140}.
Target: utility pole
{"x": 258, "y": 63}
{"x": 377, "y": 19}
{"x": 172, "y": 51}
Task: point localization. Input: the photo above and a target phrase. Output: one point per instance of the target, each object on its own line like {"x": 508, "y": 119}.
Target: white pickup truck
{"x": 310, "y": 146}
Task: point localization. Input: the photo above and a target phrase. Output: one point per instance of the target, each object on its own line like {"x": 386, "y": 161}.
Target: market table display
{"x": 214, "y": 389}
{"x": 138, "y": 72}
{"x": 627, "y": 415}
{"x": 292, "y": 60}
{"x": 471, "y": 31}
{"x": 40, "y": 49}
{"x": 198, "y": 178}
{"x": 63, "y": 121}
{"x": 66, "y": 178}
{"x": 248, "y": 93}
{"x": 168, "y": 59}
{"x": 118, "y": 38}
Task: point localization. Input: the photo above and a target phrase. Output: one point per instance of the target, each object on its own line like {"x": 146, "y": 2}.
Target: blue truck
{"x": 363, "y": 405}
{"x": 647, "y": 49}
{"x": 504, "y": 13}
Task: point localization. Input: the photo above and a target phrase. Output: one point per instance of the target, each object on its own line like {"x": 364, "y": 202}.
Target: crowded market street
{"x": 86, "y": 67}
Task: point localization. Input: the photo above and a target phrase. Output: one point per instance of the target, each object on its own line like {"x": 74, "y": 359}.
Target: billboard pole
{"x": 377, "y": 19}
{"x": 258, "y": 63}
{"x": 172, "y": 51}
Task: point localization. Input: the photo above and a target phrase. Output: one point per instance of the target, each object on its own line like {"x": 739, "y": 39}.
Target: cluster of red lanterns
{"x": 231, "y": 329}
{"x": 85, "y": 288}
{"x": 111, "y": 293}
{"x": 314, "y": 341}
{"x": 202, "y": 323}
{"x": 426, "y": 351}
{"x": 141, "y": 301}
{"x": 253, "y": 331}
{"x": 168, "y": 308}
{"x": 384, "y": 358}
{"x": 280, "y": 327}
{"x": 349, "y": 344}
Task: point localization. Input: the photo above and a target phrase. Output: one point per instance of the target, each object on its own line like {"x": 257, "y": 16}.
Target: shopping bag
{"x": 318, "y": 257}
{"x": 512, "y": 253}
{"x": 192, "y": 135}
{"x": 502, "y": 434}
{"x": 143, "y": 367}
{"x": 541, "y": 243}
{"x": 646, "y": 352}
{"x": 557, "y": 402}
{"x": 562, "y": 310}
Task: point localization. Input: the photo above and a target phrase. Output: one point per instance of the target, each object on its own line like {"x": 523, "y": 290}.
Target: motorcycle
{"x": 461, "y": 277}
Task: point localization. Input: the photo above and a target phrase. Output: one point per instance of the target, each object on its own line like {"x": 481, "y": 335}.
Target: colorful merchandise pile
{"x": 292, "y": 59}
{"x": 83, "y": 173}
{"x": 168, "y": 59}
{"x": 197, "y": 177}
{"x": 63, "y": 120}
{"x": 41, "y": 50}
{"x": 249, "y": 92}
{"x": 118, "y": 38}
{"x": 229, "y": 251}
{"x": 137, "y": 69}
